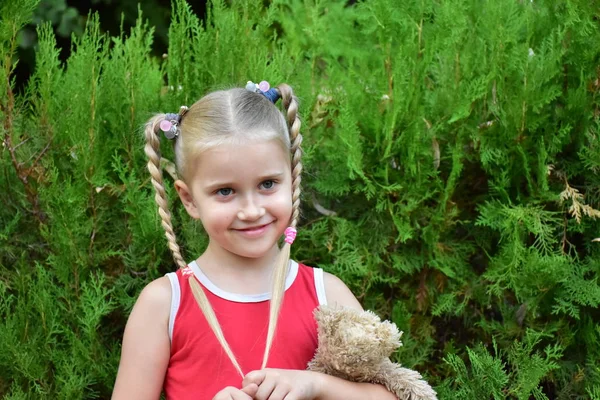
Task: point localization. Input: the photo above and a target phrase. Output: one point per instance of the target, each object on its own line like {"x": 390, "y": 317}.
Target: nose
{"x": 251, "y": 210}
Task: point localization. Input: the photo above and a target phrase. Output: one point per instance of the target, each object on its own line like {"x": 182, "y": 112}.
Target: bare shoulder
{"x": 338, "y": 293}
{"x": 156, "y": 294}
{"x": 146, "y": 344}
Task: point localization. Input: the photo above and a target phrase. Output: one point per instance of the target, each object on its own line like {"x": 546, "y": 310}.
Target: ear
{"x": 185, "y": 194}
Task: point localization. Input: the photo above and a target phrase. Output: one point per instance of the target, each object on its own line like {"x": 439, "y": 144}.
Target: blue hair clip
{"x": 265, "y": 89}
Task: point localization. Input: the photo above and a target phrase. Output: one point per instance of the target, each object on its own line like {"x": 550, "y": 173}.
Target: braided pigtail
{"x": 290, "y": 102}
{"x": 152, "y": 150}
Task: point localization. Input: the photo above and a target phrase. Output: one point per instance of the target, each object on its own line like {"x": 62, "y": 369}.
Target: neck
{"x": 236, "y": 274}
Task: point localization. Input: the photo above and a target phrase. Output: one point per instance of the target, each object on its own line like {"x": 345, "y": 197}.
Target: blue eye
{"x": 224, "y": 192}
{"x": 268, "y": 184}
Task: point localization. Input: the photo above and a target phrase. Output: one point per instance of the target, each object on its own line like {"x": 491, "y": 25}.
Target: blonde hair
{"x": 223, "y": 117}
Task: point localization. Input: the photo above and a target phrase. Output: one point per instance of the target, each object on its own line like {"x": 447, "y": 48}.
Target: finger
{"x": 265, "y": 389}
{"x": 281, "y": 392}
{"x": 225, "y": 393}
{"x": 250, "y": 389}
{"x": 256, "y": 377}
{"x": 239, "y": 395}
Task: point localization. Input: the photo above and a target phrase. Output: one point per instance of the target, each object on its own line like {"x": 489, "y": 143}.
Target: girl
{"x": 210, "y": 330}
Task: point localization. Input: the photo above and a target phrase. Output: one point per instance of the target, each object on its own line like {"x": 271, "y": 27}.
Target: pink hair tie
{"x": 290, "y": 234}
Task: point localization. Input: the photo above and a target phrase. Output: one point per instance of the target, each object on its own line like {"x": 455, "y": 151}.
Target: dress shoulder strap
{"x": 320, "y": 286}
{"x": 175, "y": 300}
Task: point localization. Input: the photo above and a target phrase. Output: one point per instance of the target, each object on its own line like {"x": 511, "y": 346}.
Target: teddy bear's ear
{"x": 389, "y": 336}
{"x": 321, "y": 313}
{"x": 328, "y": 319}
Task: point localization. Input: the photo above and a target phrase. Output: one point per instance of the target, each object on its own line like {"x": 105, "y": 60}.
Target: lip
{"x": 254, "y": 231}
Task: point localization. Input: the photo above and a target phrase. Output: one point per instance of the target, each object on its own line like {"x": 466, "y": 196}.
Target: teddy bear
{"x": 356, "y": 345}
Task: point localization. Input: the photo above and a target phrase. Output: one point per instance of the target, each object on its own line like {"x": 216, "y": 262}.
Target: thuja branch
{"x": 8, "y": 110}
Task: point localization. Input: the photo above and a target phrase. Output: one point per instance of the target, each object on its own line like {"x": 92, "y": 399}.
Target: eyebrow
{"x": 221, "y": 184}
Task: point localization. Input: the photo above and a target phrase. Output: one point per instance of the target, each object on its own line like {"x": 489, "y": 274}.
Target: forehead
{"x": 232, "y": 162}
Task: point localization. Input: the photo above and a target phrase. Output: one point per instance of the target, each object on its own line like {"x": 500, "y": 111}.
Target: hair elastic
{"x": 290, "y": 234}
{"x": 264, "y": 88}
{"x": 170, "y": 124}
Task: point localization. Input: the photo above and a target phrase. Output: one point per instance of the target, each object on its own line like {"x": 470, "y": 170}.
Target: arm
{"x": 146, "y": 346}
{"x": 330, "y": 387}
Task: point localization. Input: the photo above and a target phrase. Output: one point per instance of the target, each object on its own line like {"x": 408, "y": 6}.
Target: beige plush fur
{"x": 355, "y": 345}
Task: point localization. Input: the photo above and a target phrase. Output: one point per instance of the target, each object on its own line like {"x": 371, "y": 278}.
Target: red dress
{"x": 199, "y": 368}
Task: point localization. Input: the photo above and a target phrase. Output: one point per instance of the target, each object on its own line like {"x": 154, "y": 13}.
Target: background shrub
{"x": 452, "y": 162}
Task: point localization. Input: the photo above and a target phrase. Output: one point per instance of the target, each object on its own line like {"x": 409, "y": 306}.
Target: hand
{"x": 231, "y": 393}
{"x": 280, "y": 384}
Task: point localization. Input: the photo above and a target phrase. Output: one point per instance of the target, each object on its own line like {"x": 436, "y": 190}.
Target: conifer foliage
{"x": 452, "y": 158}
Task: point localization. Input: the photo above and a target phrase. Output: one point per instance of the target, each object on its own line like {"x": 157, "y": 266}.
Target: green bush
{"x": 452, "y": 161}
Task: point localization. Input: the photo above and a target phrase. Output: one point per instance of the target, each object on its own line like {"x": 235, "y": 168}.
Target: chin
{"x": 253, "y": 253}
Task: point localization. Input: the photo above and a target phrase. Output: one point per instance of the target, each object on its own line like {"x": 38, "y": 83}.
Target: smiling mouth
{"x": 254, "y": 228}
{"x": 254, "y": 232}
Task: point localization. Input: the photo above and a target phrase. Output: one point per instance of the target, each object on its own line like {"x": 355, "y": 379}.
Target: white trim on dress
{"x": 175, "y": 300}
{"x": 241, "y": 298}
{"x": 320, "y": 286}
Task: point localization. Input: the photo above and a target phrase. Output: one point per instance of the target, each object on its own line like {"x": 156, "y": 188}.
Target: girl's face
{"x": 242, "y": 194}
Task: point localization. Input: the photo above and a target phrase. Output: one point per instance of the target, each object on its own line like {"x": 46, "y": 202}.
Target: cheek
{"x": 283, "y": 203}
{"x": 217, "y": 214}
